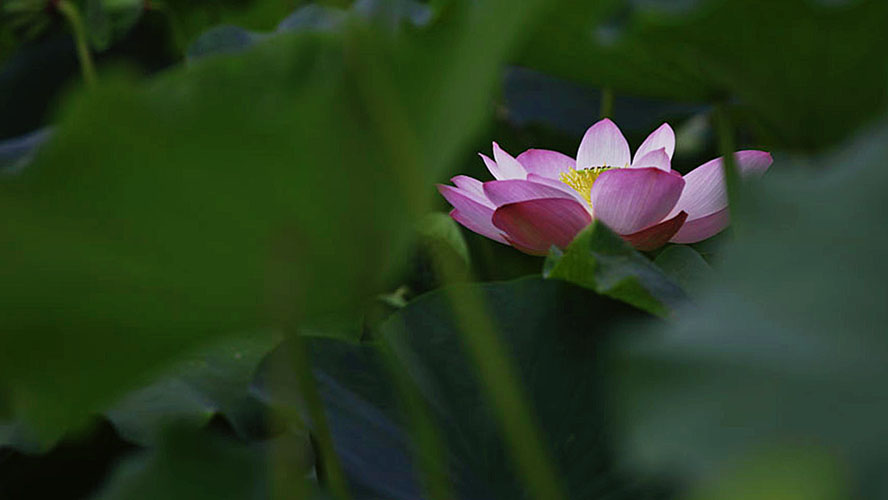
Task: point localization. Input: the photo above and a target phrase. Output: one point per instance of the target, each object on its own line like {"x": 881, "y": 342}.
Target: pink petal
{"x": 524, "y": 249}
{"x": 546, "y": 163}
{"x": 702, "y": 228}
{"x": 663, "y": 137}
{"x": 630, "y": 199}
{"x": 491, "y": 165}
{"x": 657, "y": 235}
{"x": 514, "y": 190}
{"x": 470, "y": 213}
{"x": 473, "y": 188}
{"x": 656, "y": 158}
{"x": 536, "y": 225}
{"x": 557, "y": 185}
{"x": 603, "y": 145}
{"x": 705, "y": 192}
{"x": 504, "y": 166}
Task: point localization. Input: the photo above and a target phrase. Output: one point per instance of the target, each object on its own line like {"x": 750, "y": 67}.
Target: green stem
{"x": 72, "y": 15}
{"x": 497, "y": 375}
{"x": 607, "y": 102}
{"x": 499, "y": 382}
{"x": 333, "y": 475}
{"x": 429, "y": 454}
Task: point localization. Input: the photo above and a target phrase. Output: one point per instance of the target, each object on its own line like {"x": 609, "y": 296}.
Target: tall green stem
{"x": 329, "y": 462}
{"x": 497, "y": 374}
{"x": 72, "y": 15}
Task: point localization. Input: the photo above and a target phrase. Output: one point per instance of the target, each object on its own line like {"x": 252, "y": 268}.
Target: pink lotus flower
{"x": 544, "y": 198}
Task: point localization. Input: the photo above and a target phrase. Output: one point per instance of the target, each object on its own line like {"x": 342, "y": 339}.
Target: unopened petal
{"x": 545, "y": 162}
{"x": 535, "y": 225}
{"x": 663, "y": 137}
{"x": 705, "y": 192}
{"x": 630, "y": 199}
{"x": 514, "y": 190}
{"x": 657, "y": 235}
{"x": 603, "y": 145}
{"x": 656, "y": 158}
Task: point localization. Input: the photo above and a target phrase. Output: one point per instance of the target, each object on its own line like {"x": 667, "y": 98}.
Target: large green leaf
{"x": 193, "y": 466}
{"x": 243, "y": 191}
{"x": 551, "y": 329}
{"x": 785, "y": 63}
{"x": 787, "y": 344}
{"x": 600, "y": 260}
{"x": 212, "y": 381}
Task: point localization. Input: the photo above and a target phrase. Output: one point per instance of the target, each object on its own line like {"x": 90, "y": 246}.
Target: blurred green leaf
{"x": 191, "y": 466}
{"x": 784, "y": 473}
{"x": 23, "y": 19}
{"x": 442, "y": 231}
{"x": 684, "y": 266}
{"x": 244, "y": 191}
{"x": 600, "y": 260}
{"x": 227, "y": 38}
{"x": 785, "y": 64}
{"x": 189, "y": 18}
{"x": 788, "y": 342}
{"x": 215, "y": 380}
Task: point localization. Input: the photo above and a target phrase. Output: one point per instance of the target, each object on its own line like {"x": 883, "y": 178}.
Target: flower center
{"x": 581, "y": 180}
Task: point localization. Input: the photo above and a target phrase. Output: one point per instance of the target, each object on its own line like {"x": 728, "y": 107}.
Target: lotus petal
{"x": 557, "y": 185}
{"x": 656, "y": 158}
{"x": 514, "y": 190}
{"x": 705, "y": 192}
{"x": 603, "y": 145}
{"x": 504, "y": 166}
{"x": 663, "y": 137}
{"x": 473, "y": 188}
{"x": 470, "y": 213}
{"x": 535, "y": 225}
{"x": 702, "y": 228}
{"x": 545, "y": 162}
{"x": 628, "y": 200}
{"x": 657, "y": 235}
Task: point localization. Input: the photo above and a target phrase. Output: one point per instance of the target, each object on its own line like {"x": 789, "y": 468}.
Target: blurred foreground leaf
{"x": 271, "y": 186}
{"x": 785, "y": 63}
{"x": 213, "y": 381}
{"x": 191, "y": 466}
{"x": 785, "y": 473}
{"x": 684, "y": 266}
{"x": 788, "y": 344}
{"x": 231, "y": 37}
{"x": 552, "y": 329}
{"x": 439, "y": 230}
{"x": 600, "y": 260}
